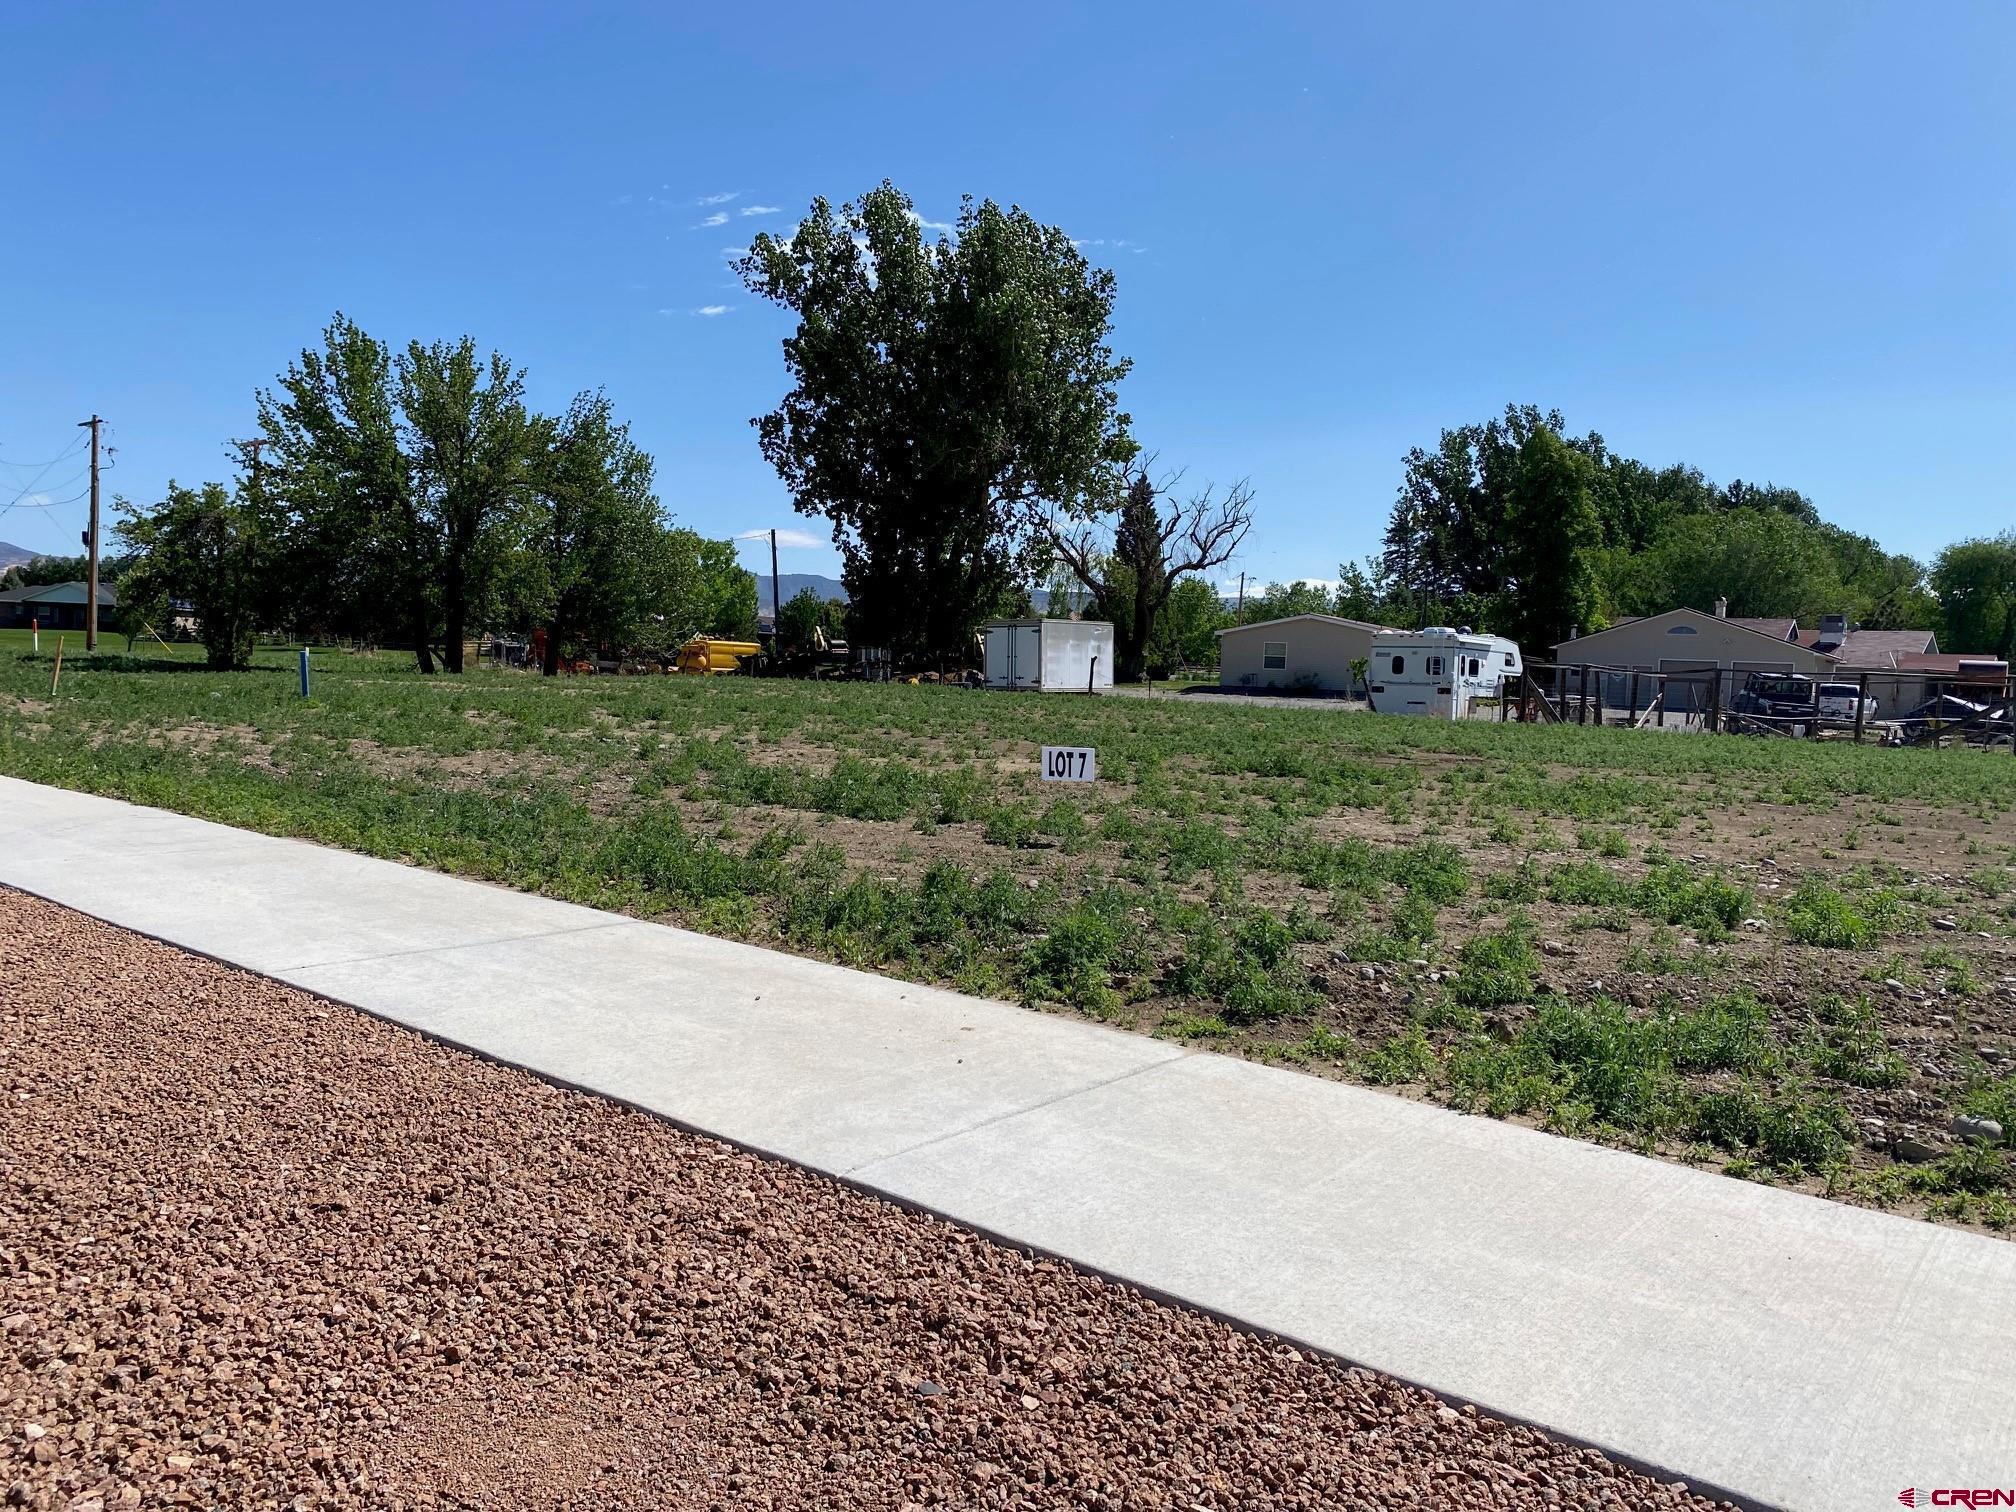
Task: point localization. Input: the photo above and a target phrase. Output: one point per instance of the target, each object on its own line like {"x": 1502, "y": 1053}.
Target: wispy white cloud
{"x": 710, "y": 311}
{"x": 718, "y": 218}
{"x": 759, "y": 210}
{"x": 718, "y": 199}
{"x": 928, "y": 225}
{"x": 1118, "y": 243}
{"x": 803, "y": 538}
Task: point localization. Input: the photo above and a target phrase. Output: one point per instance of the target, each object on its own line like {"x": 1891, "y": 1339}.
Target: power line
{"x": 60, "y": 456}
{"x": 35, "y": 481}
{"x": 25, "y": 503}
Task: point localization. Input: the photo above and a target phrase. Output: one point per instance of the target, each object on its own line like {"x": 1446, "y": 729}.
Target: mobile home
{"x": 1439, "y": 672}
{"x": 1048, "y": 655}
{"x": 1309, "y": 653}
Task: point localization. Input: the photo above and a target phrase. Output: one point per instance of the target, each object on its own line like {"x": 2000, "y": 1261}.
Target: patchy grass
{"x": 1752, "y": 951}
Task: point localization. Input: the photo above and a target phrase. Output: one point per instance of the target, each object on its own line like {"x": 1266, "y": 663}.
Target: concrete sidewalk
{"x": 1790, "y": 1351}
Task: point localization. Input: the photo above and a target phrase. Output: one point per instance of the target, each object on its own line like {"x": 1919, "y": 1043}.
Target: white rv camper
{"x": 1049, "y": 655}
{"x": 1439, "y": 672}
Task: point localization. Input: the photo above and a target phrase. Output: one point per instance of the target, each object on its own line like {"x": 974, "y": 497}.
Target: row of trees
{"x": 413, "y": 497}
{"x": 1517, "y": 525}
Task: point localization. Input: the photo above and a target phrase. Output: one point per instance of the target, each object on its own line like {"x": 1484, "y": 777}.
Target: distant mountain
{"x": 13, "y": 556}
{"x": 791, "y": 584}
{"x": 830, "y": 588}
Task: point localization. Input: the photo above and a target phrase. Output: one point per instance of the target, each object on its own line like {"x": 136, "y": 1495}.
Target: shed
{"x": 1311, "y": 652}
{"x": 1048, "y": 655}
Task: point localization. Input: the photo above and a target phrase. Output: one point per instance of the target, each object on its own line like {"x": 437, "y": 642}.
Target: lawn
{"x": 1786, "y": 959}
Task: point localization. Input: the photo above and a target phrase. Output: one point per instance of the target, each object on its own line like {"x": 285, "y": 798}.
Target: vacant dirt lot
{"x": 261, "y": 1251}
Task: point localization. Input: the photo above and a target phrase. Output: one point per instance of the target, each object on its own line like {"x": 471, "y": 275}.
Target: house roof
{"x": 1945, "y": 661}
{"x": 1289, "y": 619}
{"x": 1878, "y": 648}
{"x": 1785, "y": 629}
{"x": 1872, "y": 650}
{"x": 57, "y": 593}
{"x": 1778, "y": 631}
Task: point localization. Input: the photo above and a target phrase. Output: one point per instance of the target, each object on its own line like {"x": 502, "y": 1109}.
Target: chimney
{"x": 1721, "y": 608}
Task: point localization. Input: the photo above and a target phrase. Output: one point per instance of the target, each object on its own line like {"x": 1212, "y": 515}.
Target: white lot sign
{"x": 1070, "y": 764}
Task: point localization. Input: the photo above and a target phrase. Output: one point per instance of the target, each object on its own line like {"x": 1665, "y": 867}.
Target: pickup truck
{"x": 1838, "y": 699}
{"x": 1790, "y": 696}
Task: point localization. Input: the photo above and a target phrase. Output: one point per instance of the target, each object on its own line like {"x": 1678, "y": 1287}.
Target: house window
{"x": 1434, "y": 666}
{"x": 1274, "y": 656}
{"x": 1399, "y": 665}
{"x": 1681, "y": 630}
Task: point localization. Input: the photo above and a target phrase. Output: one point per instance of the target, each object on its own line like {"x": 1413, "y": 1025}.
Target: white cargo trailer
{"x": 1049, "y": 655}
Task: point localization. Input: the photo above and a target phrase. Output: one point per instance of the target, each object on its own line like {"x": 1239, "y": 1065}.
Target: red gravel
{"x": 257, "y": 1250}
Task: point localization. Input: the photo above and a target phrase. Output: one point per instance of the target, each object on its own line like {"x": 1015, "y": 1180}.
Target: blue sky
{"x": 1775, "y": 240}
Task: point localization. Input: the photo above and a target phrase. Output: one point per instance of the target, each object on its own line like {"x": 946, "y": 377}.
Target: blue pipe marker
{"x": 304, "y": 671}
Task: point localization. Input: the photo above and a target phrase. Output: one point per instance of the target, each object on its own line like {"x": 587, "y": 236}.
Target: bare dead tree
{"x": 1156, "y": 538}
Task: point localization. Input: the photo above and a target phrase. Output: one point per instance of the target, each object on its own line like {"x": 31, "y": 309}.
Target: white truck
{"x": 1439, "y": 672}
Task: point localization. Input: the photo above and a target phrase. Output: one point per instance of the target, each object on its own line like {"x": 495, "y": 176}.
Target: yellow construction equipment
{"x": 704, "y": 656}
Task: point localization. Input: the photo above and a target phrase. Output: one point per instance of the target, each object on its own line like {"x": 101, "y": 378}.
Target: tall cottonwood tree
{"x": 596, "y": 557}
{"x": 1552, "y": 535}
{"x": 398, "y": 475}
{"x": 943, "y": 394}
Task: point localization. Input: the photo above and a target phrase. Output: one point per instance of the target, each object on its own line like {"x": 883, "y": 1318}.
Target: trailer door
{"x": 1025, "y": 656}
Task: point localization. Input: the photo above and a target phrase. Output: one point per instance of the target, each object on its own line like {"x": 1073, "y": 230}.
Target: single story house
{"x": 53, "y": 606}
{"x": 1303, "y": 652}
{"x": 1904, "y": 667}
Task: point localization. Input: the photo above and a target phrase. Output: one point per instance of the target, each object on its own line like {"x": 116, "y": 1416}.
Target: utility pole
{"x": 91, "y": 545}
{"x": 252, "y": 450}
{"x": 1242, "y": 596}
{"x": 776, "y": 615}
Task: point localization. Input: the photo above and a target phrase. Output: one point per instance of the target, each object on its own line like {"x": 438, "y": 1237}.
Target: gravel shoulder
{"x": 263, "y": 1251}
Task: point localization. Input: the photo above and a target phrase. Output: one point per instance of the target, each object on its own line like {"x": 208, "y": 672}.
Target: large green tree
{"x": 800, "y": 618}
{"x": 1188, "y": 633}
{"x": 209, "y": 548}
{"x": 944, "y": 393}
{"x": 1769, "y": 564}
{"x": 1552, "y": 535}
{"x": 1976, "y": 585}
{"x": 595, "y": 560}
{"x": 1450, "y": 538}
{"x": 402, "y": 474}
{"x": 1446, "y": 537}
{"x": 707, "y": 589}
